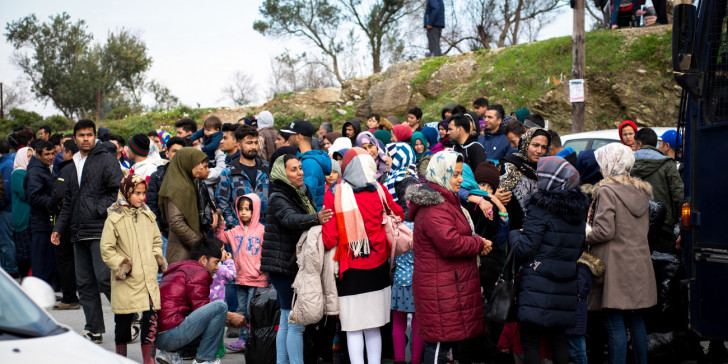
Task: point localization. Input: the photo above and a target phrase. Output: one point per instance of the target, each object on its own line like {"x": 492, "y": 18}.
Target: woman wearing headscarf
{"x": 420, "y": 145}
{"x": 178, "y": 201}
{"x": 549, "y": 245}
{"x": 21, "y": 210}
{"x": 627, "y": 132}
{"x": 519, "y": 173}
{"x": 445, "y": 265}
{"x": 402, "y": 133}
{"x": 367, "y": 141}
{"x": 383, "y": 136}
{"x": 445, "y": 141}
{"x": 588, "y": 169}
{"x": 403, "y": 170}
{"x": 362, "y": 250}
{"x": 292, "y": 211}
{"x": 617, "y": 230}
{"x": 339, "y": 144}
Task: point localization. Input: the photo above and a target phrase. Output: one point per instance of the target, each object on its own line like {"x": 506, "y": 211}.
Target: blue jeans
{"x": 164, "y": 253}
{"x": 245, "y": 293}
{"x": 289, "y": 342}
{"x": 577, "y": 348}
{"x": 7, "y": 244}
{"x": 614, "y": 321}
{"x": 206, "y": 323}
{"x": 615, "y": 11}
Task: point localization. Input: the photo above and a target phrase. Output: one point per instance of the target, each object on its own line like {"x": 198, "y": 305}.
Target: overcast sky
{"x": 196, "y": 46}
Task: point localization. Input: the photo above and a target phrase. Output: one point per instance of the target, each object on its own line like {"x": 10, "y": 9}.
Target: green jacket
{"x": 661, "y": 173}
{"x": 21, "y": 209}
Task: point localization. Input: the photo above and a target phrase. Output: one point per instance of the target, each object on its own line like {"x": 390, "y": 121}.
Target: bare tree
{"x": 241, "y": 89}
{"x": 16, "y": 94}
{"x": 292, "y": 72}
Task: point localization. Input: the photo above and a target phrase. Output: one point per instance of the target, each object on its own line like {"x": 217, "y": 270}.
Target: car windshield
{"x": 578, "y": 145}
{"x": 20, "y": 317}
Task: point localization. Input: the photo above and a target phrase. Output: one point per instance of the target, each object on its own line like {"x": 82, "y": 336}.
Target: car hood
{"x": 68, "y": 347}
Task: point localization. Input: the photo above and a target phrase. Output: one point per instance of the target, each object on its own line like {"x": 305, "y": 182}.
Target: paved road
{"x": 75, "y": 319}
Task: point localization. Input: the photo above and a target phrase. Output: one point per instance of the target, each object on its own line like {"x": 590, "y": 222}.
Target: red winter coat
{"x": 445, "y": 282}
{"x": 184, "y": 288}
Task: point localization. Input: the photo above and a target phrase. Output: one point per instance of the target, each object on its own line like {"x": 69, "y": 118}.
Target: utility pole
{"x": 2, "y": 102}
{"x": 578, "y": 64}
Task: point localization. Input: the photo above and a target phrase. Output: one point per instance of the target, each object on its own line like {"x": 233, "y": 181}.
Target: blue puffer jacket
{"x": 435, "y": 13}
{"x": 316, "y": 165}
{"x": 6, "y": 169}
{"x": 583, "y": 286}
{"x": 550, "y": 244}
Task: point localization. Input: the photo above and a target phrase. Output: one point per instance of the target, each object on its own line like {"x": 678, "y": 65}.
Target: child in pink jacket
{"x": 246, "y": 240}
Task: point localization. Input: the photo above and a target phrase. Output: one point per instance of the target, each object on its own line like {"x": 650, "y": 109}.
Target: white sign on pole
{"x": 576, "y": 90}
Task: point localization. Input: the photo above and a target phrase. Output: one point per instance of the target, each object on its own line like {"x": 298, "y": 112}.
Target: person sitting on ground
{"x": 212, "y": 132}
{"x": 187, "y": 315}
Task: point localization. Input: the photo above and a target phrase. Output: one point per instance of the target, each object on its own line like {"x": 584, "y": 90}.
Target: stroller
{"x": 627, "y": 13}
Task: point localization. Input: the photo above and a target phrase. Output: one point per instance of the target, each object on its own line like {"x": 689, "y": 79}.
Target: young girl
{"x": 225, "y": 273}
{"x": 246, "y": 240}
{"x": 131, "y": 246}
{"x": 335, "y": 174}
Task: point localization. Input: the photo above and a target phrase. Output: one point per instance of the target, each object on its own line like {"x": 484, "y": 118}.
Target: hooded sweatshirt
{"x": 269, "y": 135}
{"x": 246, "y": 243}
{"x": 357, "y": 129}
{"x": 316, "y": 165}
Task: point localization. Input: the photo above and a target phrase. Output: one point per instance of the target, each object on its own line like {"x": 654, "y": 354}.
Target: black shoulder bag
{"x": 205, "y": 207}
{"x": 501, "y": 307}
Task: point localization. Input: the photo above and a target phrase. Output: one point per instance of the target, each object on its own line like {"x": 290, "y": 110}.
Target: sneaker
{"x": 136, "y": 327}
{"x": 95, "y": 338}
{"x": 67, "y": 306}
{"x": 216, "y": 361}
{"x": 165, "y": 357}
{"x": 232, "y": 333}
{"x": 236, "y": 346}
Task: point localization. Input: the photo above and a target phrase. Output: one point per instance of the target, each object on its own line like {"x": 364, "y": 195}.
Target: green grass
{"x": 143, "y": 123}
{"x": 427, "y": 69}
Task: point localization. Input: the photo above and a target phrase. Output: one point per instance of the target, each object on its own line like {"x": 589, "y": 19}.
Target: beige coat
{"x": 135, "y": 237}
{"x": 315, "y": 284}
{"x": 181, "y": 237}
{"x": 619, "y": 238}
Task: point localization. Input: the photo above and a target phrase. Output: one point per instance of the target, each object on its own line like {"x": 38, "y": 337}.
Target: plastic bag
{"x": 264, "y": 318}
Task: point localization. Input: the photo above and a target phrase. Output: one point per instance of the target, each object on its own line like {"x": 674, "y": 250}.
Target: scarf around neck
{"x": 278, "y": 173}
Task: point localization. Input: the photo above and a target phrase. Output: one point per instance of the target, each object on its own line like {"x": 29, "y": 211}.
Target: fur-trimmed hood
{"x": 572, "y": 205}
{"x": 629, "y": 196}
{"x": 422, "y": 196}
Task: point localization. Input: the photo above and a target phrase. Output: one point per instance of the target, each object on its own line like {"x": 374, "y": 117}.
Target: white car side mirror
{"x": 39, "y": 291}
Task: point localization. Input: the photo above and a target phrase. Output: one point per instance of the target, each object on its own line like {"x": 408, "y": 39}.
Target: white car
{"x": 30, "y": 335}
{"x": 580, "y": 142}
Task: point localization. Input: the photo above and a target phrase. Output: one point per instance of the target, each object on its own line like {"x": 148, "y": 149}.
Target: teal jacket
{"x": 21, "y": 209}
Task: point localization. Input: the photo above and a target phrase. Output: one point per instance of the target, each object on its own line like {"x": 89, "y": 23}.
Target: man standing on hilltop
{"x": 434, "y": 22}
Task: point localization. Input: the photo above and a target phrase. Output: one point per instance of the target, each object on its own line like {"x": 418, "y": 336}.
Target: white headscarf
{"x": 21, "y": 159}
{"x": 614, "y": 159}
{"x": 265, "y": 119}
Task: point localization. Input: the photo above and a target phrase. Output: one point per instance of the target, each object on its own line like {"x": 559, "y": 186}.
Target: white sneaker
{"x": 216, "y": 361}
{"x": 165, "y": 357}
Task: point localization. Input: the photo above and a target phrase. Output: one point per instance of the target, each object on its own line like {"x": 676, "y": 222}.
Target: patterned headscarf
{"x": 366, "y": 137}
{"x": 403, "y": 165}
{"x": 614, "y": 159}
{"x": 441, "y": 168}
{"x": 555, "y": 173}
{"x": 126, "y": 189}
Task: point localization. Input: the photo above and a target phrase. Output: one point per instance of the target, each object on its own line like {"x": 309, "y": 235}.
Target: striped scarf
{"x": 403, "y": 166}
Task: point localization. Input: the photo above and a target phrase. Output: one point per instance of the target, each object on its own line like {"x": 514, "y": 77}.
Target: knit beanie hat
{"x": 336, "y": 167}
{"x": 139, "y": 144}
{"x": 488, "y": 173}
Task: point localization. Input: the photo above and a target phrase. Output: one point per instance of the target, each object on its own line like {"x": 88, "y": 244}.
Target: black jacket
{"x": 550, "y": 244}
{"x": 155, "y": 183}
{"x": 38, "y": 191}
{"x": 60, "y": 181}
{"x": 84, "y": 206}
{"x": 286, "y": 220}
{"x": 472, "y": 151}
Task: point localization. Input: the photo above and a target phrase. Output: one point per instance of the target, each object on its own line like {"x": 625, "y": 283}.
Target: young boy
{"x": 212, "y": 131}
{"x": 414, "y": 116}
{"x": 246, "y": 240}
{"x": 335, "y": 174}
{"x": 373, "y": 122}
{"x": 131, "y": 242}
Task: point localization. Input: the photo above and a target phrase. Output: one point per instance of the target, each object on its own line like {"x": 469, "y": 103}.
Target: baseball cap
{"x": 670, "y": 137}
{"x": 303, "y": 127}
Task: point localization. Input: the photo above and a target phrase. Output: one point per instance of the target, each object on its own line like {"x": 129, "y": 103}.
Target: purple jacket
{"x": 224, "y": 274}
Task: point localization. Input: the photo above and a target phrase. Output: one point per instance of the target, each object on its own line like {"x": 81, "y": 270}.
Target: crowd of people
{"x": 232, "y": 208}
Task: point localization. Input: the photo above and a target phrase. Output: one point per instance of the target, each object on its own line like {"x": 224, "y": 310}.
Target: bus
{"x": 700, "y": 67}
